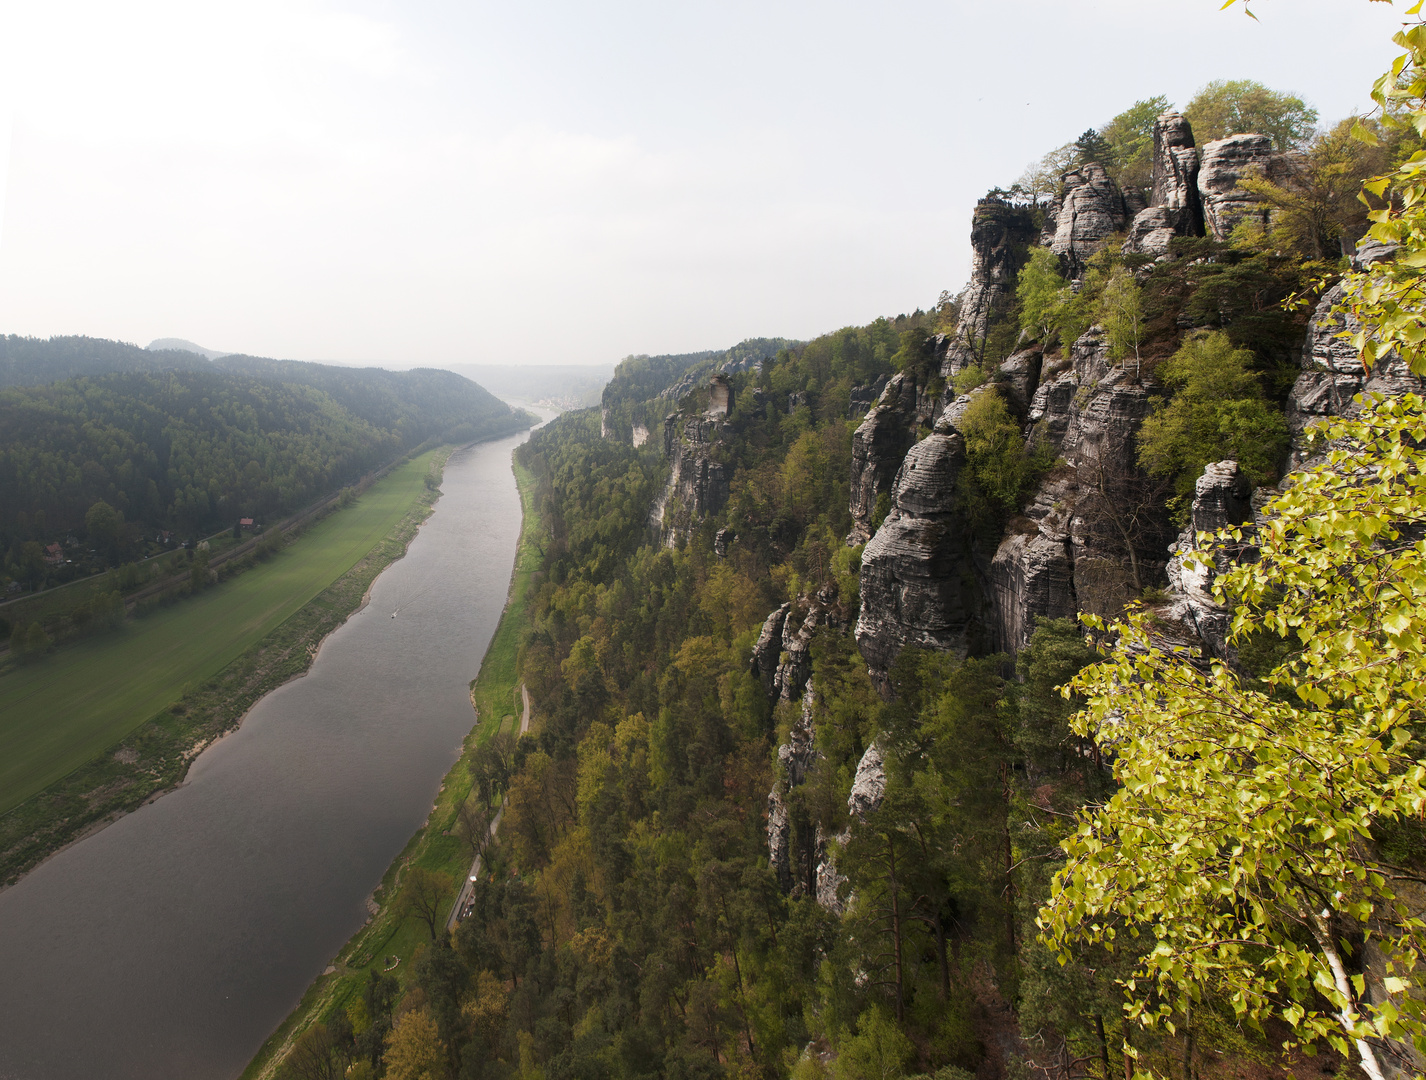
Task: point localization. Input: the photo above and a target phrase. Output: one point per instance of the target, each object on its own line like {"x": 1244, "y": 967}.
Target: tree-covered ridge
{"x": 192, "y": 446}
{"x": 27, "y": 361}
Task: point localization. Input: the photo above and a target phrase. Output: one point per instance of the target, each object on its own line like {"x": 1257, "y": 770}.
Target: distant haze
{"x": 564, "y": 183}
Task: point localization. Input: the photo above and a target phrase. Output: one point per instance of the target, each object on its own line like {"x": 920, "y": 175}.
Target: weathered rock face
{"x": 720, "y": 396}
{"x": 768, "y": 649}
{"x": 795, "y": 758}
{"x": 1000, "y": 237}
{"x": 1174, "y": 206}
{"x": 1332, "y": 375}
{"x": 1225, "y": 163}
{"x": 697, "y": 484}
{"x": 721, "y": 539}
{"x": 862, "y": 398}
{"x": 878, "y": 446}
{"x": 869, "y": 784}
{"x": 1092, "y": 209}
{"x": 1222, "y": 497}
{"x": 1018, "y": 378}
{"x": 1175, "y": 176}
{"x": 916, "y": 581}
{"x": 1070, "y": 549}
{"x": 782, "y": 657}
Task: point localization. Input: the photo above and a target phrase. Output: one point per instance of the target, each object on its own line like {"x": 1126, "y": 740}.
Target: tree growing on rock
{"x": 1232, "y": 106}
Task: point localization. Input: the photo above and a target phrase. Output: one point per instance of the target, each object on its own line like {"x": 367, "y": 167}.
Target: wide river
{"x": 172, "y": 943}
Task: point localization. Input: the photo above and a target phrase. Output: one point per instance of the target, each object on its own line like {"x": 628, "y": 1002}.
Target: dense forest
{"x": 749, "y": 837}
{"x": 169, "y": 441}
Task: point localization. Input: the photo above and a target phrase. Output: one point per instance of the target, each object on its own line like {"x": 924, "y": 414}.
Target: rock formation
{"x": 916, "y": 588}
{"x": 1225, "y": 163}
{"x": 1222, "y": 497}
{"x": 869, "y": 784}
{"x": 878, "y": 446}
{"x": 720, "y": 396}
{"x": 1092, "y": 209}
{"x": 1332, "y": 375}
{"x": 1174, "y": 206}
{"x": 795, "y": 758}
{"x": 1071, "y": 549}
{"x": 782, "y": 657}
{"x": 697, "y": 484}
{"x": 1000, "y": 237}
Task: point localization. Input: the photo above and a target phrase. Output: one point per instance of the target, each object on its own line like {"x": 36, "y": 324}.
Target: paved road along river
{"x": 173, "y": 942}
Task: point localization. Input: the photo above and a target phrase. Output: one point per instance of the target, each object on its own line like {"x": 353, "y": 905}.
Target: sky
{"x": 565, "y": 182}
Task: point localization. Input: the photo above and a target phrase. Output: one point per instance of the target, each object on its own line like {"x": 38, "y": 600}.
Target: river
{"x": 172, "y": 943}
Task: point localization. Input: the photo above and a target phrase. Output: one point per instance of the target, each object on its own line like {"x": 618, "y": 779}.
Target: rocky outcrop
{"x": 782, "y": 657}
{"x": 869, "y": 784}
{"x": 795, "y": 758}
{"x": 829, "y": 880}
{"x": 768, "y": 649}
{"x": 721, "y": 539}
{"x": 1222, "y": 498}
{"x": 1071, "y": 549}
{"x": 878, "y": 446}
{"x": 1092, "y": 209}
{"x": 1225, "y": 163}
{"x": 1174, "y": 206}
{"x": 862, "y": 398}
{"x": 916, "y": 585}
{"x": 1000, "y": 237}
{"x": 697, "y": 484}
{"x": 1332, "y": 376}
{"x": 720, "y": 396}
{"x": 1018, "y": 377}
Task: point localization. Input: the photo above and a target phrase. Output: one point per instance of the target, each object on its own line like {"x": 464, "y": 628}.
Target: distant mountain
{"x": 172, "y": 344}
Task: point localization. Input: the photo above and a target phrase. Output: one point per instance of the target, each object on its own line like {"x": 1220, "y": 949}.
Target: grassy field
{"x": 389, "y": 942}
{"x": 64, "y": 709}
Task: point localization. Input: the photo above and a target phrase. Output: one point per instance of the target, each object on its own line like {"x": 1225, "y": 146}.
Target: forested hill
{"x": 799, "y": 768}
{"x": 27, "y": 361}
{"x": 172, "y": 441}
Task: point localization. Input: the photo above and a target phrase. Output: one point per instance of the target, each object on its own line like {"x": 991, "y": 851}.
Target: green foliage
{"x": 1217, "y": 412}
{"x": 194, "y": 449}
{"x": 1093, "y": 146}
{"x": 1130, "y": 138}
{"x": 1254, "y": 872}
{"x": 998, "y": 472}
{"x": 1121, "y": 312}
{"x": 1049, "y": 307}
{"x": 1238, "y": 106}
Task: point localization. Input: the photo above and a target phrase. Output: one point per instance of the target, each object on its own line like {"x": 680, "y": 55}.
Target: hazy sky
{"x": 564, "y": 182}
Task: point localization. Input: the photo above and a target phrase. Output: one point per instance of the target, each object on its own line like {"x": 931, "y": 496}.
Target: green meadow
{"x": 67, "y": 707}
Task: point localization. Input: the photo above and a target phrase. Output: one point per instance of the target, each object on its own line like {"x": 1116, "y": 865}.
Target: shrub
{"x": 1218, "y": 412}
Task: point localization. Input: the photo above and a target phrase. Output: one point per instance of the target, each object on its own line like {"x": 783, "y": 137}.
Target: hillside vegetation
{"x": 105, "y": 446}
{"x": 804, "y": 796}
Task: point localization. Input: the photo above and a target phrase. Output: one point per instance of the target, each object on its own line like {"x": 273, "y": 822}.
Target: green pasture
{"x": 62, "y": 710}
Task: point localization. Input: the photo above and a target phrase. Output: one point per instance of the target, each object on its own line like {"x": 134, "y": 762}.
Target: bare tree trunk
{"x": 895, "y": 927}
{"x": 1103, "y": 1043}
{"x": 1347, "y": 1015}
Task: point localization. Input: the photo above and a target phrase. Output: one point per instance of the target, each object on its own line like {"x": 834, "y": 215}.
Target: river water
{"x": 172, "y": 943}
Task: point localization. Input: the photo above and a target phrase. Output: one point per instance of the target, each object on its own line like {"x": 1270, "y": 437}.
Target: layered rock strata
{"x": 1332, "y": 375}
{"x": 1225, "y": 163}
{"x": 1175, "y": 208}
{"x": 795, "y": 869}
{"x": 697, "y": 483}
{"x": 1092, "y": 208}
{"x": 1000, "y": 236}
{"x": 916, "y": 582}
{"x": 1095, "y": 516}
{"x": 878, "y": 446}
